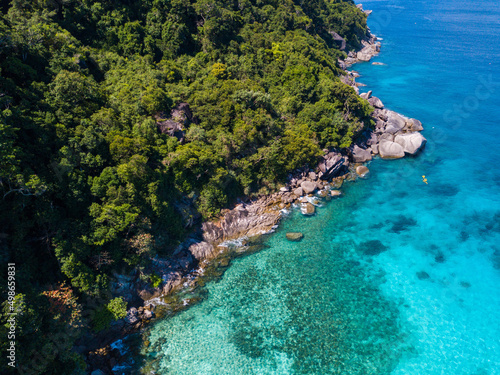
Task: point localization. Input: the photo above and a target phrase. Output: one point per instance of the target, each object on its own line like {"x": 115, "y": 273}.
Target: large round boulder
{"x": 411, "y": 142}
{"x": 395, "y": 122}
{"x": 360, "y": 155}
{"x": 308, "y": 187}
{"x": 363, "y": 56}
{"x": 376, "y": 102}
{"x": 299, "y": 192}
{"x": 366, "y": 95}
{"x": 390, "y": 150}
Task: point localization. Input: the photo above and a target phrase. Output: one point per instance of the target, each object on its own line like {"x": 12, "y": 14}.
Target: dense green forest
{"x": 92, "y": 180}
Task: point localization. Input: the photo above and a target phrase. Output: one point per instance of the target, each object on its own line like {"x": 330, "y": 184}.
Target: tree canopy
{"x": 93, "y": 177}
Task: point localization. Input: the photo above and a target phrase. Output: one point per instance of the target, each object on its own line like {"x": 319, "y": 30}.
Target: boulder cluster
{"x": 109, "y": 355}
{"x": 248, "y": 220}
{"x": 371, "y": 48}
{"x": 138, "y": 316}
{"x": 256, "y": 217}
{"x": 176, "y": 123}
{"x": 394, "y": 135}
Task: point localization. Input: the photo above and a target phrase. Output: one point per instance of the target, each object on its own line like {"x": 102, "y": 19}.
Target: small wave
{"x": 122, "y": 368}
{"x": 315, "y": 201}
{"x": 157, "y": 301}
{"x": 238, "y": 242}
{"x": 286, "y": 211}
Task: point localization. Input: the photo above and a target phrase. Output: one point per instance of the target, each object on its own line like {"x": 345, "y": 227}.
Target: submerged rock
{"x": 337, "y": 183}
{"x": 422, "y": 275}
{"x": 335, "y": 193}
{"x": 373, "y": 247}
{"x": 439, "y": 258}
{"x": 465, "y": 284}
{"x": 294, "y": 236}
{"x": 307, "y": 209}
{"x": 403, "y": 223}
{"x": 362, "y": 171}
{"x": 323, "y": 193}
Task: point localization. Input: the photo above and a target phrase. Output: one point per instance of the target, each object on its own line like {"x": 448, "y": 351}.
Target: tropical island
{"x": 131, "y": 130}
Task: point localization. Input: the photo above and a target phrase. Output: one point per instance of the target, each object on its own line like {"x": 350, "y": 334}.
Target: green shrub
{"x": 114, "y": 310}
{"x": 155, "y": 280}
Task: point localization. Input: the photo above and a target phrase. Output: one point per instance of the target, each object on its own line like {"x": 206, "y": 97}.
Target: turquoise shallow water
{"x": 396, "y": 277}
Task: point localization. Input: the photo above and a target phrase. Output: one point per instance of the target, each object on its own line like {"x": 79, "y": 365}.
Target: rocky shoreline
{"x": 393, "y": 136}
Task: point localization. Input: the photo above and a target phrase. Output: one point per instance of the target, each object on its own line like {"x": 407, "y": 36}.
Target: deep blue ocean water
{"x": 396, "y": 277}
